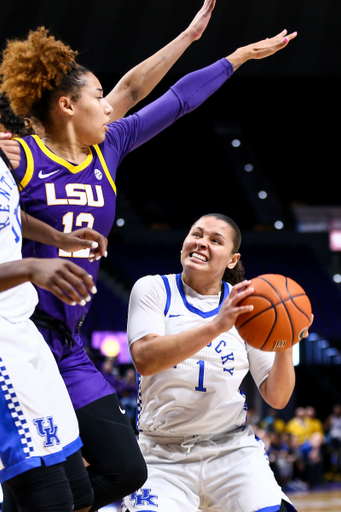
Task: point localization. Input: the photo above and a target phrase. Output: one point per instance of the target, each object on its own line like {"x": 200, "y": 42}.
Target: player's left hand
{"x": 261, "y": 49}
{"x": 84, "y": 238}
{"x": 306, "y": 333}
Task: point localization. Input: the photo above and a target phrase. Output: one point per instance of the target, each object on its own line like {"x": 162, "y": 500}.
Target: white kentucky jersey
{"x": 18, "y": 303}
{"x": 38, "y": 423}
{"x": 202, "y": 394}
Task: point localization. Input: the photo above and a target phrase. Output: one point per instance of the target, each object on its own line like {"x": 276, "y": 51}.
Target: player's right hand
{"x": 230, "y": 308}
{"x": 84, "y": 238}
{"x": 11, "y": 149}
{"x": 200, "y": 21}
{"x": 64, "y": 279}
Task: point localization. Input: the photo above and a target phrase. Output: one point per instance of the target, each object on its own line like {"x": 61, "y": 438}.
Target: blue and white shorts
{"x": 38, "y": 423}
{"x": 227, "y": 473}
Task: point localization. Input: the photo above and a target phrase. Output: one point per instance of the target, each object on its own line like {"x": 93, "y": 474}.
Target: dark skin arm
{"x": 63, "y": 278}
{"x": 35, "y": 229}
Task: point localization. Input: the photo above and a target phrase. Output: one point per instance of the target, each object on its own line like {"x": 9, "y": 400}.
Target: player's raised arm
{"x": 278, "y": 387}
{"x": 142, "y": 79}
{"x": 261, "y": 49}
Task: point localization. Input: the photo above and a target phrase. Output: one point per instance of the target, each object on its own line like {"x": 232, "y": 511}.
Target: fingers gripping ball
{"x": 281, "y": 314}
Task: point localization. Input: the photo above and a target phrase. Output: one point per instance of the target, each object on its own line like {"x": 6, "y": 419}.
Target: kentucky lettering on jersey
{"x": 201, "y": 395}
{"x": 16, "y": 304}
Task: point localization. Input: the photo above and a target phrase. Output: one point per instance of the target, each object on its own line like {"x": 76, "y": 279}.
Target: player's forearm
{"x": 39, "y": 231}
{"x": 160, "y": 353}
{"x": 143, "y": 78}
{"x": 279, "y": 386}
{"x": 15, "y": 273}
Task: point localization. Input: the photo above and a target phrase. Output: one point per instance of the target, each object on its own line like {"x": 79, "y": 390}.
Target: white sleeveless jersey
{"x": 16, "y": 304}
{"x": 201, "y": 395}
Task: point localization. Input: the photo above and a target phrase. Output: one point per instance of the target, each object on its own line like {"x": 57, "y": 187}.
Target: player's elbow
{"x": 143, "y": 364}
{"x": 278, "y": 402}
{"x": 276, "y": 398}
{"x": 143, "y": 368}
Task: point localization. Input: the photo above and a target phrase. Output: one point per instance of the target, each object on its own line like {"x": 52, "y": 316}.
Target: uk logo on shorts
{"x": 46, "y": 428}
{"x": 143, "y": 497}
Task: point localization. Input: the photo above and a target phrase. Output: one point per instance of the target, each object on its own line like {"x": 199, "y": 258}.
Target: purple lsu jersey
{"x": 70, "y": 197}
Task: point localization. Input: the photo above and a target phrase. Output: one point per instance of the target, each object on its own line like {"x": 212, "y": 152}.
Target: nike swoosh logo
{"x": 122, "y": 410}
{"x": 174, "y": 316}
{"x": 41, "y": 175}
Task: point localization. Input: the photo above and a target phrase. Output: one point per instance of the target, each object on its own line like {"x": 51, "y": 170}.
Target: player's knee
{"x": 83, "y": 498}
{"x": 133, "y": 475}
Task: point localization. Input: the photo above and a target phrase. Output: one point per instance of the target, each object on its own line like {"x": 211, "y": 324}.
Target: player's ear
{"x": 66, "y": 105}
{"x": 234, "y": 260}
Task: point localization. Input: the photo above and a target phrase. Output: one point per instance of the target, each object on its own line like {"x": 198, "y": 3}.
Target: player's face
{"x": 208, "y": 250}
{"x": 91, "y": 113}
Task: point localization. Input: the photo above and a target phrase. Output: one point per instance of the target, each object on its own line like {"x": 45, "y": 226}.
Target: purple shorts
{"x": 84, "y": 381}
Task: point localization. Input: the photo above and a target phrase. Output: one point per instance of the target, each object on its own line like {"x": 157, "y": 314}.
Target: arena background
{"x": 284, "y": 111}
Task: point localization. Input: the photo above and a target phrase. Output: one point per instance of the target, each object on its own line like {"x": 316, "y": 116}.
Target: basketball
{"x": 281, "y": 314}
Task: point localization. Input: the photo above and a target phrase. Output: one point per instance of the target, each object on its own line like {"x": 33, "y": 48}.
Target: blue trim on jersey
{"x": 289, "y": 506}
{"x": 18, "y": 469}
{"x": 274, "y": 508}
{"x": 168, "y": 291}
{"x": 71, "y": 448}
{"x": 36, "y": 461}
{"x": 16, "y": 445}
{"x": 206, "y": 314}
{"x": 15, "y": 439}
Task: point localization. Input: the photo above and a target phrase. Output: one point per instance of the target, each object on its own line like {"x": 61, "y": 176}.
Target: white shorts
{"x": 38, "y": 422}
{"x": 231, "y": 474}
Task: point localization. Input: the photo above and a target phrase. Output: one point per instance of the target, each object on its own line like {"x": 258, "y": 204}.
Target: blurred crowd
{"x": 304, "y": 452}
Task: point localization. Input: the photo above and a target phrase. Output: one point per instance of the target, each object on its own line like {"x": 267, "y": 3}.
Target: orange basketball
{"x": 281, "y": 314}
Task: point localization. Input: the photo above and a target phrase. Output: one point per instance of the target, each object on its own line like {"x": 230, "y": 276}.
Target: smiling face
{"x": 207, "y": 251}
{"x": 90, "y": 112}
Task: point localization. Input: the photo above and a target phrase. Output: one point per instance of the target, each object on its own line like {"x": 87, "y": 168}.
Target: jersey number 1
{"x": 200, "y": 386}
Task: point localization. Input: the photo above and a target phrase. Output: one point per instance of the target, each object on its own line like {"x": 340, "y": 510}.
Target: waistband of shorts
{"x": 186, "y": 440}
{"x": 42, "y": 319}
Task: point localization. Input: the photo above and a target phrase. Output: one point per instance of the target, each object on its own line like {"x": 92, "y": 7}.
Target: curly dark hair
{"x": 34, "y": 69}
{"x": 10, "y": 122}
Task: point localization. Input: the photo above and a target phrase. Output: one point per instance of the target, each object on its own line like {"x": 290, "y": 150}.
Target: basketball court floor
{"x": 319, "y": 501}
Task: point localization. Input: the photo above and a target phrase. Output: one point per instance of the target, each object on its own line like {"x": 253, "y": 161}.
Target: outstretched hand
{"x": 200, "y": 21}
{"x": 10, "y": 148}
{"x": 261, "y": 49}
{"x": 63, "y": 278}
{"x": 268, "y": 47}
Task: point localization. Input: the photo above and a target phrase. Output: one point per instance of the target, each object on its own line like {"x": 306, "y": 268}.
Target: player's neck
{"x": 66, "y": 147}
{"x": 202, "y": 286}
